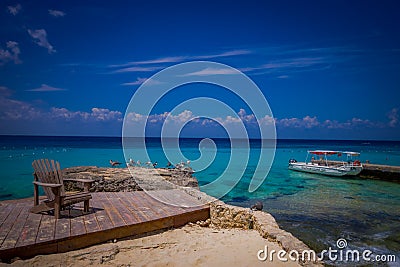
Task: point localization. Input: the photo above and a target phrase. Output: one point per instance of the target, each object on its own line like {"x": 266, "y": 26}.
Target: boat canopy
{"x": 331, "y": 152}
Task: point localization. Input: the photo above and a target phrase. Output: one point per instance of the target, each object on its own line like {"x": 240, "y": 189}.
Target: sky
{"x": 328, "y": 69}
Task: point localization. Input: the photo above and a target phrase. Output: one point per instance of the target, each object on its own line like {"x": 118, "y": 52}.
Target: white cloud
{"x": 103, "y": 114}
{"x": 294, "y": 63}
{"x": 224, "y": 54}
{"x": 309, "y": 122}
{"x": 140, "y": 81}
{"x": 267, "y": 120}
{"x": 40, "y": 37}
{"x": 15, "y": 110}
{"x": 159, "y": 60}
{"x": 56, "y": 13}
{"x": 46, "y": 88}
{"x": 393, "y": 116}
{"x": 10, "y": 54}
{"x": 182, "y": 117}
{"x": 282, "y": 77}
{"x": 96, "y": 114}
{"x": 14, "y": 10}
{"x": 139, "y": 69}
{"x": 175, "y": 59}
{"x": 212, "y": 71}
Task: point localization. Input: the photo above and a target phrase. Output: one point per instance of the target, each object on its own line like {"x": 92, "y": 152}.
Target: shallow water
{"x": 317, "y": 209}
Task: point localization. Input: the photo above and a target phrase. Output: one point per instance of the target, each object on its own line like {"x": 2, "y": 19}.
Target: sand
{"x": 190, "y": 245}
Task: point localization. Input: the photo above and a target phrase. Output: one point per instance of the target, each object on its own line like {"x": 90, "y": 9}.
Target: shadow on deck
{"x": 112, "y": 215}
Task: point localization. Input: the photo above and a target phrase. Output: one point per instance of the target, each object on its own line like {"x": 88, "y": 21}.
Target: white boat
{"x": 324, "y": 166}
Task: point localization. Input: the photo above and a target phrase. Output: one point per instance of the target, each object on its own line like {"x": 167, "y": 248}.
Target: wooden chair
{"x": 48, "y": 175}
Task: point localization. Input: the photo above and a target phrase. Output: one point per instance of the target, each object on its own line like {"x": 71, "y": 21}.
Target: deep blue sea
{"x": 317, "y": 209}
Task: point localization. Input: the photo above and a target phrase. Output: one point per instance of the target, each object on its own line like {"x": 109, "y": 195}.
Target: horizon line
{"x": 251, "y": 138}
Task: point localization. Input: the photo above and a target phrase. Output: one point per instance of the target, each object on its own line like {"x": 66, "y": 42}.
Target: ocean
{"x": 317, "y": 209}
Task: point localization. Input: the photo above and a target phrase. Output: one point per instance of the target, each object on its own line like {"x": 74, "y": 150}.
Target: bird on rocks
{"x": 257, "y": 206}
{"x": 114, "y": 163}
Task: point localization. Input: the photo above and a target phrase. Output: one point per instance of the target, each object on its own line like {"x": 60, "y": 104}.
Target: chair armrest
{"x": 78, "y": 180}
{"x": 47, "y": 184}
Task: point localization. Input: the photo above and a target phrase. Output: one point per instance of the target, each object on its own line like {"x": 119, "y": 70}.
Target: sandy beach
{"x": 190, "y": 245}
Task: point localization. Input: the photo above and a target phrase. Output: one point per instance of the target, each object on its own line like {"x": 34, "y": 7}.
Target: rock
{"x": 257, "y": 206}
{"x": 128, "y": 180}
{"x": 205, "y": 223}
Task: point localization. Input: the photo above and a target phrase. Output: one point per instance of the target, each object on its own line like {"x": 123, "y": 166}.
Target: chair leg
{"x": 35, "y": 195}
{"x": 57, "y": 207}
{"x": 86, "y": 206}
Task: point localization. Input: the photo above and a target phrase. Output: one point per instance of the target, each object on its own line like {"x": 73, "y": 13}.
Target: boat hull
{"x": 345, "y": 170}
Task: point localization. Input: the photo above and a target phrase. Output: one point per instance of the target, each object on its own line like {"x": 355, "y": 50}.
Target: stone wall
{"x": 227, "y": 216}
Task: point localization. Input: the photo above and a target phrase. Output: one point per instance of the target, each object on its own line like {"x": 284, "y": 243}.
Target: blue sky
{"x": 329, "y": 69}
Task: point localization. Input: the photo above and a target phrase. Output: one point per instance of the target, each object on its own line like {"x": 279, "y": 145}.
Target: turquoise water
{"x": 317, "y": 209}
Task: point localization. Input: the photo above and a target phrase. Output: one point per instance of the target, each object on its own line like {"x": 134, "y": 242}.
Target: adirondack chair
{"x": 48, "y": 175}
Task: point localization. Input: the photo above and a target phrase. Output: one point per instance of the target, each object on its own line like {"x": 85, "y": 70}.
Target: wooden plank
{"x": 164, "y": 196}
{"x": 9, "y": 222}
{"x": 112, "y": 212}
{"x": 75, "y": 211}
{"x": 63, "y": 228}
{"x": 101, "y": 215}
{"x": 46, "y": 229}
{"x": 176, "y": 198}
{"x": 161, "y": 197}
{"x": 189, "y": 200}
{"x": 77, "y": 226}
{"x": 29, "y": 230}
{"x": 125, "y": 213}
{"x": 5, "y": 210}
{"x": 28, "y": 251}
{"x": 159, "y": 207}
{"x": 188, "y": 203}
{"x": 15, "y": 232}
{"x": 126, "y": 198}
{"x": 141, "y": 203}
{"x": 91, "y": 223}
{"x": 157, "y": 202}
{"x": 194, "y": 216}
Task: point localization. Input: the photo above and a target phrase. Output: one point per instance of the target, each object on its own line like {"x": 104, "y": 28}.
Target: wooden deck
{"x": 112, "y": 215}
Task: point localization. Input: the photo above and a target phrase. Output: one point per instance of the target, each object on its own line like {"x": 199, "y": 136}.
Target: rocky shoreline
{"x": 128, "y": 180}
{"x": 222, "y": 215}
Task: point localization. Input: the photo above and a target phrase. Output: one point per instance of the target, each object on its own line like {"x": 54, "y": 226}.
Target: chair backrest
{"x": 48, "y": 171}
